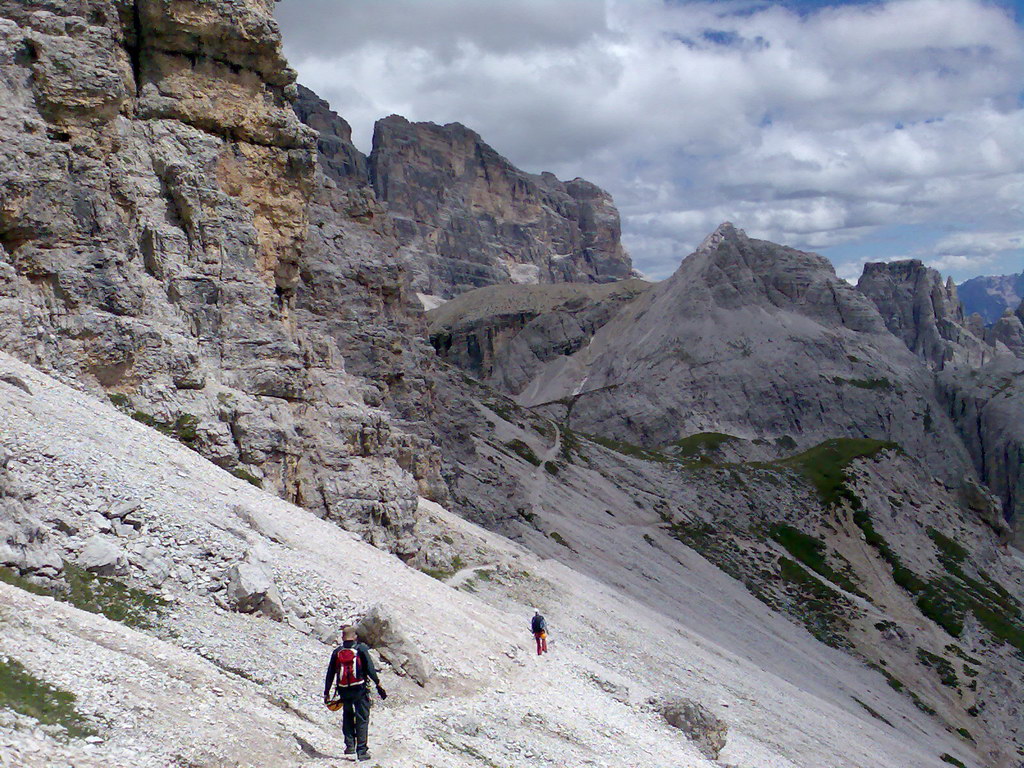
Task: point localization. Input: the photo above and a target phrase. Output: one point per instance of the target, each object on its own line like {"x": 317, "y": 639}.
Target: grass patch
{"x": 183, "y": 428}
{"x": 821, "y": 608}
{"x": 948, "y": 758}
{"x": 873, "y": 713}
{"x": 947, "y": 547}
{"x": 628, "y": 449}
{"x": 523, "y": 451}
{"x": 12, "y": 577}
{"x": 879, "y": 383}
{"x": 550, "y": 467}
{"x": 812, "y": 553}
{"x": 28, "y": 695}
{"x": 120, "y": 401}
{"x": 111, "y": 598}
{"x": 108, "y": 597}
{"x": 942, "y": 667}
{"x": 559, "y": 539}
{"x": 702, "y": 442}
{"x": 825, "y": 464}
{"x": 948, "y": 599}
{"x": 241, "y": 474}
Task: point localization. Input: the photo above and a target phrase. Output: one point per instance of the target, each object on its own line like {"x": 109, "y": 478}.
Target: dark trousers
{"x": 355, "y": 721}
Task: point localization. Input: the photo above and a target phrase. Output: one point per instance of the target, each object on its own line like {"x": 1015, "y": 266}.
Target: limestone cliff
{"x": 753, "y": 340}
{"x": 466, "y": 217}
{"x": 927, "y": 314}
{"x": 979, "y": 379}
{"x": 155, "y": 189}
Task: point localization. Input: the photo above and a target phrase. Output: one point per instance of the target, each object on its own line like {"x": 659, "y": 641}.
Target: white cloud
{"x": 811, "y": 129}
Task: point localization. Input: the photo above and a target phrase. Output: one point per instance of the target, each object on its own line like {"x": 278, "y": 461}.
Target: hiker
{"x": 349, "y": 670}
{"x": 539, "y": 627}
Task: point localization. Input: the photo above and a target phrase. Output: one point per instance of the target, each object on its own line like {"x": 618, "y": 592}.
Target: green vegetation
{"x": 241, "y": 474}
{"x": 947, "y": 599}
{"x": 944, "y": 669}
{"x": 12, "y": 577}
{"x": 550, "y": 467}
{"x": 957, "y": 651}
{"x": 785, "y": 442}
{"x": 947, "y": 547}
{"x": 702, "y": 442}
{"x": 821, "y": 608}
{"x": 96, "y": 594}
{"x": 965, "y": 734}
{"x": 880, "y": 383}
{"x": 120, "y": 400}
{"x": 111, "y": 598}
{"x": 873, "y": 713}
{"x": 558, "y": 538}
{"x": 183, "y": 428}
{"x": 523, "y": 451}
{"x": 570, "y": 444}
{"x": 442, "y": 574}
{"x": 825, "y": 464}
{"x": 812, "y": 553}
{"x": 28, "y": 695}
{"x": 628, "y": 449}
{"x": 948, "y": 758}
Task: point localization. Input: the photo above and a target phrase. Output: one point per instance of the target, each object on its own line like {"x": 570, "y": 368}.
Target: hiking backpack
{"x": 350, "y": 668}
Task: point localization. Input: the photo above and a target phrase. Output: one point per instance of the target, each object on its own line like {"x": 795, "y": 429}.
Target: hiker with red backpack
{"x": 539, "y": 627}
{"x": 349, "y": 671}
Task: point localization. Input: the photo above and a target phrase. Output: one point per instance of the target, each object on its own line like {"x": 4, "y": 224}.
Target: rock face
{"x": 504, "y": 334}
{"x": 979, "y": 369}
{"x": 923, "y": 312}
{"x": 1008, "y": 330}
{"x": 466, "y": 217}
{"x": 25, "y": 543}
{"x": 991, "y": 295}
{"x": 155, "y": 191}
{"x": 987, "y": 405}
{"x": 379, "y": 629}
{"x": 703, "y": 728}
{"x": 746, "y": 321}
{"x": 250, "y": 590}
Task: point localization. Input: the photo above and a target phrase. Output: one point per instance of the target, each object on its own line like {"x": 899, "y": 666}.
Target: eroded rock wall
{"x": 155, "y": 189}
{"x": 466, "y": 217}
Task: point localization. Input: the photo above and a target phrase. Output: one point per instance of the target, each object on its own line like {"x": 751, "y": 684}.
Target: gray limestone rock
{"x": 102, "y": 557}
{"x": 466, "y": 217}
{"x": 746, "y": 321}
{"x": 1008, "y": 330}
{"x": 382, "y": 631}
{"x": 251, "y": 590}
{"x": 504, "y": 334}
{"x": 706, "y": 730}
{"x": 925, "y": 313}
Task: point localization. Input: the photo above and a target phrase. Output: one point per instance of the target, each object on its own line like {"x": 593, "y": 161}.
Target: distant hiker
{"x": 349, "y": 670}
{"x": 539, "y": 627}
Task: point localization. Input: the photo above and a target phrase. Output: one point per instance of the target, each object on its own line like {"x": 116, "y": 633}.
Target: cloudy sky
{"x": 862, "y": 130}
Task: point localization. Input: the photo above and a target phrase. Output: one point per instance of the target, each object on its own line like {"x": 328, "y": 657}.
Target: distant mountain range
{"x": 991, "y": 295}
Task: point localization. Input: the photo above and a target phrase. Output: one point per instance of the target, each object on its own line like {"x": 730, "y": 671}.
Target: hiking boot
{"x": 350, "y": 750}
{"x": 363, "y": 756}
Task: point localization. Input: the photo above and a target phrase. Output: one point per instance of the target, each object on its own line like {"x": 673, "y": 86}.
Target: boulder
{"x": 380, "y": 630}
{"x": 251, "y": 590}
{"x": 101, "y": 557}
{"x": 702, "y": 727}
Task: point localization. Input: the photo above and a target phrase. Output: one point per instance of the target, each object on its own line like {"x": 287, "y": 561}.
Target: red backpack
{"x": 350, "y": 668}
